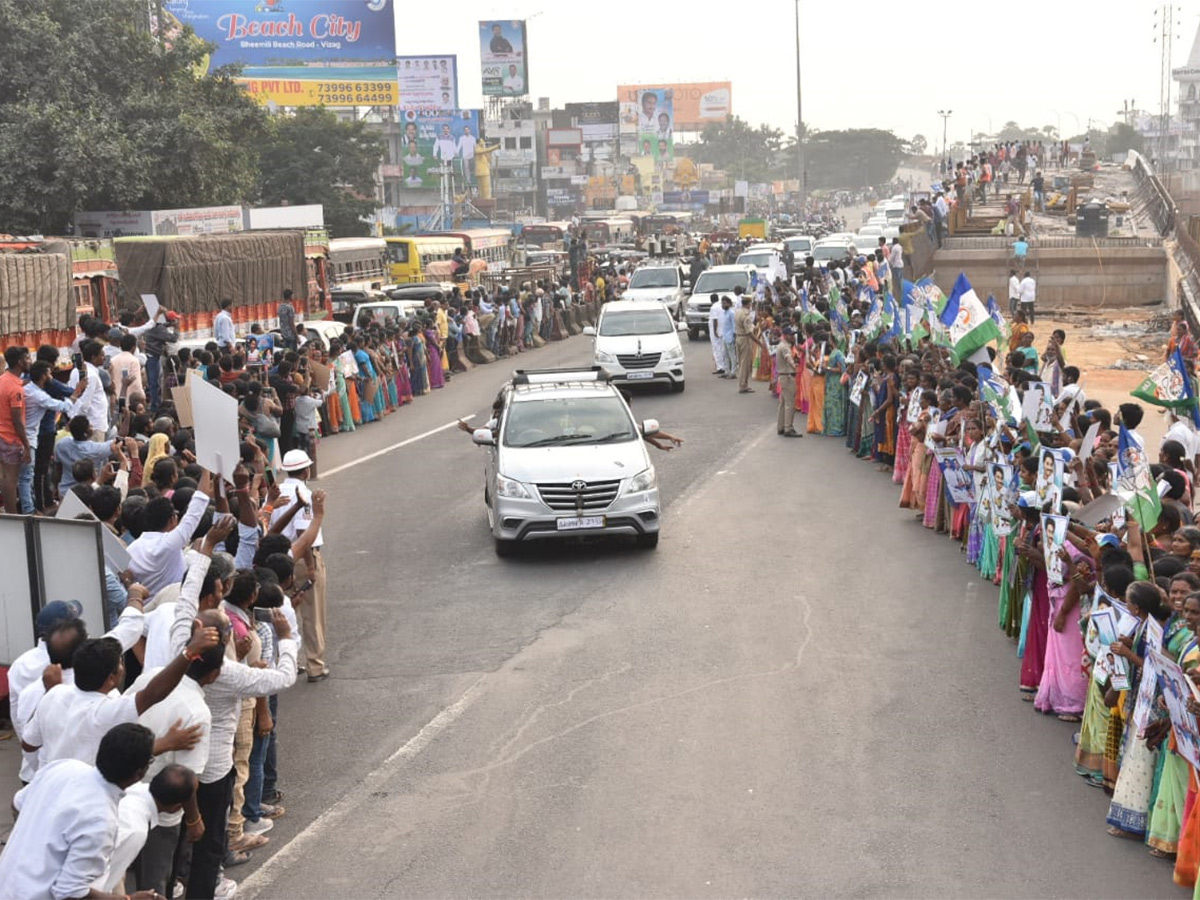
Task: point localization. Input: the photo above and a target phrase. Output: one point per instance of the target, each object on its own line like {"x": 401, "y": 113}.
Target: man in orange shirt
{"x": 14, "y": 442}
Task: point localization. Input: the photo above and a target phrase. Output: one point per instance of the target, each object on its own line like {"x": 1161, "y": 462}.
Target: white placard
{"x": 150, "y": 301}
{"x": 115, "y": 553}
{"x": 16, "y": 598}
{"x": 1089, "y": 442}
{"x": 215, "y": 413}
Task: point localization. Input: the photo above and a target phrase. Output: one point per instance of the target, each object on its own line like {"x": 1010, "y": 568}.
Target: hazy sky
{"x": 1036, "y": 63}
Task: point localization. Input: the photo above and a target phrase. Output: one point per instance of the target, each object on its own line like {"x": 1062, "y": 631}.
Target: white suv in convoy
{"x": 720, "y": 280}
{"x": 661, "y": 283}
{"x": 565, "y": 458}
{"x": 637, "y": 342}
{"x": 767, "y": 259}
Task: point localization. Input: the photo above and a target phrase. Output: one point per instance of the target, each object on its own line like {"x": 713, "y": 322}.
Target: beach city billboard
{"x": 297, "y": 52}
{"x": 696, "y": 103}
{"x": 502, "y": 53}
{"x": 428, "y": 82}
{"x": 438, "y": 140}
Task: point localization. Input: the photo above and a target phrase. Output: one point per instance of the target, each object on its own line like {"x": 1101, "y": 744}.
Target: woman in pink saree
{"x": 1063, "y": 688}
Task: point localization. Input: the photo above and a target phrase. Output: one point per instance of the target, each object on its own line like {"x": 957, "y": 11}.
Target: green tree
{"x": 96, "y": 114}
{"x": 313, "y": 157}
{"x": 918, "y": 144}
{"x": 851, "y": 159}
{"x": 741, "y": 151}
{"x": 1123, "y": 138}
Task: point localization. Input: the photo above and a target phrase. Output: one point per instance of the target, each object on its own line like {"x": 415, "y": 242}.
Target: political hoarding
{"x": 696, "y": 103}
{"x": 655, "y": 123}
{"x": 436, "y": 141}
{"x": 502, "y": 52}
{"x": 297, "y": 52}
{"x": 428, "y": 82}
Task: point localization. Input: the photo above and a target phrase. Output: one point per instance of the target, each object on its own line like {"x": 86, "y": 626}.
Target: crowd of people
{"x": 150, "y": 763}
{"x": 1051, "y": 495}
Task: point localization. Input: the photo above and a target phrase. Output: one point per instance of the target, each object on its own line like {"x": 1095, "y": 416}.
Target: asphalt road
{"x": 766, "y": 705}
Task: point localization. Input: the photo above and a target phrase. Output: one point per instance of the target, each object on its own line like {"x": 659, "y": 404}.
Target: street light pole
{"x": 945, "y": 114}
{"x": 801, "y": 192}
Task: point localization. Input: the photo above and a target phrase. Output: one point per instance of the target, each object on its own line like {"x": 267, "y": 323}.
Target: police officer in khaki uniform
{"x": 785, "y": 365}
{"x": 742, "y": 325}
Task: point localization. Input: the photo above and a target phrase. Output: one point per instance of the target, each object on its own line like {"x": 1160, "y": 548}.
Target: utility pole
{"x": 945, "y": 114}
{"x": 802, "y": 192}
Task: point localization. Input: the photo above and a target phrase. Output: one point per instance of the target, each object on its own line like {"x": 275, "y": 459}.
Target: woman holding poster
{"x": 1064, "y": 685}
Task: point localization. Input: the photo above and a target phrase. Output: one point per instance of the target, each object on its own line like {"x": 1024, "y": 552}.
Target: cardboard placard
{"x": 182, "y": 399}
{"x": 320, "y": 375}
{"x": 215, "y": 413}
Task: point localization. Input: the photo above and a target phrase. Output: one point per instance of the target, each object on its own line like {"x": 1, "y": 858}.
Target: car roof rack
{"x": 552, "y": 376}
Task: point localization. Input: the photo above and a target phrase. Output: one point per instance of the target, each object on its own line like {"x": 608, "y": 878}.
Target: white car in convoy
{"x": 767, "y": 259}
{"x": 663, "y": 283}
{"x": 566, "y": 459}
{"x": 720, "y": 280}
{"x": 637, "y": 342}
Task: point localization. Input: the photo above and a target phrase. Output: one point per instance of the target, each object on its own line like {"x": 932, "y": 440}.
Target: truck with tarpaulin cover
{"x": 192, "y": 274}
{"x": 37, "y": 301}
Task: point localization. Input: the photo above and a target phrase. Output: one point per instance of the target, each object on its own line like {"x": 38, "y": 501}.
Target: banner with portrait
{"x": 503, "y": 57}
{"x": 436, "y": 142}
{"x": 654, "y": 115}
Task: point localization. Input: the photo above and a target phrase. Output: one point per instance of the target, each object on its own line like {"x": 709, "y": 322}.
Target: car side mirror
{"x": 589, "y": 331}
{"x": 483, "y": 437}
{"x": 649, "y": 427}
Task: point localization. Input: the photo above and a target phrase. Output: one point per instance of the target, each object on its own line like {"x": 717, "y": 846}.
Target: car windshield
{"x": 558, "y": 421}
{"x": 799, "y": 244}
{"x": 719, "y": 282}
{"x": 618, "y": 323}
{"x": 759, "y": 260}
{"x": 654, "y": 278}
{"x": 829, "y": 251}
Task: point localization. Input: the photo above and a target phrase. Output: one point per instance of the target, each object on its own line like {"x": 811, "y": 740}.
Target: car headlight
{"x": 603, "y": 356}
{"x": 643, "y": 481}
{"x": 508, "y": 487}
{"x": 675, "y": 354}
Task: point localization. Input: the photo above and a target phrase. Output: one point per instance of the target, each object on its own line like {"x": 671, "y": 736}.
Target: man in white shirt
{"x": 126, "y": 369}
{"x": 156, "y": 556}
{"x": 93, "y": 402}
{"x": 186, "y": 707}
{"x": 1182, "y": 430}
{"x": 64, "y": 838}
{"x": 60, "y": 632}
{"x": 223, "y": 332}
{"x": 1014, "y": 292}
{"x": 714, "y": 336}
{"x": 445, "y": 146}
{"x": 71, "y": 719}
{"x": 224, "y": 697}
{"x": 297, "y": 464}
{"x": 141, "y": 811}
{"x": 513, "y": 82}
{"x": 896, "y": 264}
{"x": 466, "y": 144}
{"x": 1027, "y": 295}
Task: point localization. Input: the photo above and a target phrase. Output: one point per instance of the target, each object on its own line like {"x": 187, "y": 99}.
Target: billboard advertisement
{"x": 437, "y": 141}
{"x": 130, "y": 223}
{"x": 428, "y": 82}
{"x": 505, "y": 62}
{"x": 593, "y": 113}
{"x": 297, "y": 52}
{"x": 653, "y": 116}
{"x": 696, "y": 103}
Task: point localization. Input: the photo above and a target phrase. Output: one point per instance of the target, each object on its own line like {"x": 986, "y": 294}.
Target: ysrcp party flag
{"x": 1134, "y": 485}
{"x": 971, "y": 328}
{"x": 1169, "y": 386}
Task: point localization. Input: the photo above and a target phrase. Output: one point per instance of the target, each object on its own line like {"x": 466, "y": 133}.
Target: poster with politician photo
{"x": 438, "y": 142}
{"x": 428, "y": 82}
{"x": 503, "y": 57}
{"x": 656, "y": 123}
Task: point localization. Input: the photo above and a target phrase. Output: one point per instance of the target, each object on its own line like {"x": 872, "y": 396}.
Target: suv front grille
{"x": 638, "y": 361}
{"x": 579, "y": 496}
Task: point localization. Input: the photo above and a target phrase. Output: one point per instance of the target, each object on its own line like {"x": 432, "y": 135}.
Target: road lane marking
{"x": 290, "y": 853}
{"x": 385, "y": 450}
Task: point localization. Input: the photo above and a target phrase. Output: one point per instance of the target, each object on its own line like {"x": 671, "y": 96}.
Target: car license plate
{"x": 577, "y": 522}
{"x": 637, "y": 376}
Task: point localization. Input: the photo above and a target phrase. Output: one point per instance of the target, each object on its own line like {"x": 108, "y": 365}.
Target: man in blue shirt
{"x": 728, "y": 337}
{"x": 223, "y": 326}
